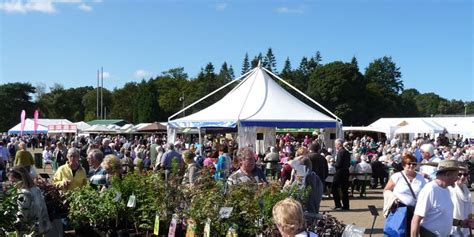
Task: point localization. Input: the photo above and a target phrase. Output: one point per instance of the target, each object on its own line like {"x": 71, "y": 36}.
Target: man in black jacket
{"x": 341, "y": 177}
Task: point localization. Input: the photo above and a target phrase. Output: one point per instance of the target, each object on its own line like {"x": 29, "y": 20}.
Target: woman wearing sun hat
{"x": 461, "y": 197}
{"x": 434, "y": 208}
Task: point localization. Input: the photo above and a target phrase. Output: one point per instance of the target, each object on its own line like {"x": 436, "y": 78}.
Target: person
{"x": 105, "y": 148}
{"x": 303, "y": 176}
{"x": 97, "y": 175}
{"x": 47, "y": 155}
{"x": 341, "y": 177}
{"x": 192, "y": 170}
{"x": 171, "y": 156}
{"x": 59, "y": 155}
{"x": 23, "y": 158}
{"x": 364, "y": 170}
{"x": 434, "y": 208}
{"x": 285, "y": 173}
{"x": 127, "y": 162}
{"x": 428, "y": 169}
{"x": 32, "y": 211}
{"x": 70, "y": 175}
{"x": 461, "y": 197}
{"x": 248, "y": 172}
{"x": 379, "y": 172}
{"x": 289, "y": 218}
{"x": 113, "y": 168}
{"x": 319, "y": 163}
{"x": 272, "y": 159}
{"x": 397, "y": 192}
{"x": 223, "y": 163}
{"x": 4, "y": 154}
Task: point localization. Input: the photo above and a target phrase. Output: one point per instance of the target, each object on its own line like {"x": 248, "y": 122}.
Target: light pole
{"x": 182, "y": 100}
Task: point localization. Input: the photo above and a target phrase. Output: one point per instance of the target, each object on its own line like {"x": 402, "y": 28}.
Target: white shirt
{"x": 435, "y": 206}
{"x": 461, "y": 197}
{"x": 401, "y": 189}
{"x": 362, "y": 167}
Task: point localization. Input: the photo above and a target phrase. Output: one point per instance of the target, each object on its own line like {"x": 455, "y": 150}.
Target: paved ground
{"x": 359, "y": 213}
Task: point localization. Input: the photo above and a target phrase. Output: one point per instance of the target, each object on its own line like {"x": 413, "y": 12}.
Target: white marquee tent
{"x": 42, "y": 126}
{"x": 257, "y": 105}
{"x": 461, "y": 125}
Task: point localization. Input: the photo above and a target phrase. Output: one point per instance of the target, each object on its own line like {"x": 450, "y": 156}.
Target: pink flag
{"x": 36, "y": 120}
{"x": 23, "y": 114}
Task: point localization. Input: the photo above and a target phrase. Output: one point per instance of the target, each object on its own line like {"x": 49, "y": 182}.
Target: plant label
{"x": 225, "y": 212}
{"x": 118, "y": 196}
{"x": 132, "y": 201}
{"x": 207, "y": 228}
{"x": 172, "y": 229}
{"x": 156, "y": 228}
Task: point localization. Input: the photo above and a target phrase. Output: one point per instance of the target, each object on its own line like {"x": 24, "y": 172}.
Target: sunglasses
{"x": 411, "y": 164}
{"x": 463, "y": 174}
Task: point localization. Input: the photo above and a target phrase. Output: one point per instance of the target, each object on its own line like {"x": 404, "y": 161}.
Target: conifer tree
{"x": 269, "y": 62}
{"x": 245, "y": 64}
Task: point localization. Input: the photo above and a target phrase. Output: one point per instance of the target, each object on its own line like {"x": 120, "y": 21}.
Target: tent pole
{"x": 303, "y": 94}
{"x": 212, "y": 93}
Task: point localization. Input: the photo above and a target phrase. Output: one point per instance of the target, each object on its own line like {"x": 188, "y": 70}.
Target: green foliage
{"x": 121, "y": 102}
{"x": 9, "y": 208}
{"x": 87, "y": 206}
{"x": 269, "y": 61}
{"x": 15, "y": 97}
{"x": 146, "y": 106}
{"x": 384, "y": 72}
{"x": 340, "y": 87}
{"x": 245, "y": 65}
{"x": 68, "y": 103}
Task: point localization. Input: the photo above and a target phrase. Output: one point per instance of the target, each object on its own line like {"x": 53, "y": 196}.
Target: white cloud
{"x": 107, "y": 75}
{"x": 45, "y": 6}
{"x": 85, "y": 7}
{"x": 142, "y": 74}
{"x": 221, "y": 6}
{"x": 287, "y": 10}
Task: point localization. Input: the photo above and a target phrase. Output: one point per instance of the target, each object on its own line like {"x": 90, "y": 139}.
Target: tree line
{"x": 358, "y": 98}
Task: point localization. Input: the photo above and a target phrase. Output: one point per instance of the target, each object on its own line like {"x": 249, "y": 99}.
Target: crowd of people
{"x": 421, "y": 174}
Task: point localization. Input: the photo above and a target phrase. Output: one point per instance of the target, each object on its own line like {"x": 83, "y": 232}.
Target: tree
{"x": 428, "y": 103}
{"x": 89, "y": 103}
{"x": 286, "y": 71}
{"x": 146, "y": 104}
{"x": 173, "y": 93}
{"x": 245, "y": 64}
{"x": 314, "y": 62}
{"x": 122, "y": 98}
{"x": 354, "y": 62}
{"x": 15, "y": 97}
{"x": 384, "y": 72}
{"x": 269, "y": 61}
{"x": 256, "y": 60}
{"x": 225, "y": 73}
{"x": 339, "y": 87}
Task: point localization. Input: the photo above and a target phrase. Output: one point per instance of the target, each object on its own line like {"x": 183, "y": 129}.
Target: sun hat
{"x": 448, "y": 165}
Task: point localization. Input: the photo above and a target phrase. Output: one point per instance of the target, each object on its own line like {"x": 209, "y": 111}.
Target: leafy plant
{"x": 9, "y": 208}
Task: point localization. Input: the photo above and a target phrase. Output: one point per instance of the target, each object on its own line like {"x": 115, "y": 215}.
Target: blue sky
{"x": 66, "y": 41}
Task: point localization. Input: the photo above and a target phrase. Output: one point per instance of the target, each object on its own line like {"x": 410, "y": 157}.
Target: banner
{"x": 36, "y": 120}
{"x": 23, "y": 114}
